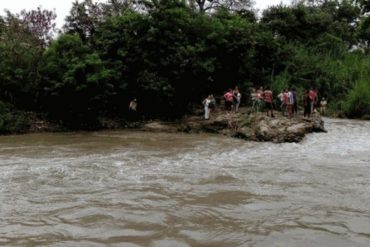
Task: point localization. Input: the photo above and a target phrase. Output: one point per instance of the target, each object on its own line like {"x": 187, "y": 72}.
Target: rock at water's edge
{"x": 249, "y": 126}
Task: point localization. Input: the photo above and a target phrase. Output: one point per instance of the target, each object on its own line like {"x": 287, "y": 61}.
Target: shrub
{"x": 357, "y": 103}
{"x": 12, "y": 121}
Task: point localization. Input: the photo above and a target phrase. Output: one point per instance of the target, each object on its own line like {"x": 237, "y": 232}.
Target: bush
{"x": 357, "y": 103}
{"x": 12, "y": 121}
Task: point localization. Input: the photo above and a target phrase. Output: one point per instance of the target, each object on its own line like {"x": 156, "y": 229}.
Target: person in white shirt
{"x": 290, "y": 104}
{"x": 206, "y": 103}
{"x": 237, "y": 97}
{"x": 323, "y": 104}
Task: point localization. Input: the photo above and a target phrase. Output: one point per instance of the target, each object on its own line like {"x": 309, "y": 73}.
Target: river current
{"x": 125, "y": 188}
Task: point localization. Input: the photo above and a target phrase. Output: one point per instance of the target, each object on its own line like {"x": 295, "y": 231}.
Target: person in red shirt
{"x": 229, "y": 99}
{"x": 313, "y": 98}
{"x": 268, "y": 98}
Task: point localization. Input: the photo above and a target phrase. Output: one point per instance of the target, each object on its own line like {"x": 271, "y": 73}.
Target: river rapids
{"x": 126, "y": 188}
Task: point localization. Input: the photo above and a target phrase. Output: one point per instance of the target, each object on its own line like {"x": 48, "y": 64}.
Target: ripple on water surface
{"x": 123, "y": 188}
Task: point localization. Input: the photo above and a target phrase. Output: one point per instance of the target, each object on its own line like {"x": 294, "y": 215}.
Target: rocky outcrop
{"x": 246, "y": 125}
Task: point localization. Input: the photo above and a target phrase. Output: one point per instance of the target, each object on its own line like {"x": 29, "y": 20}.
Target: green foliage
{"x": 20, "y": 52}
{"x": 175, "y": 56}
{"x": 363, "y": 33}
{"x": 281, "y": 82}
{"x": 169, "y": 55}
{"x": 307, "y": 24}
{"x": 83, "y": 19}
{"x": 74, "y": 84}
{"x": 357, "y": 103}
{"x": 11, "y": 120}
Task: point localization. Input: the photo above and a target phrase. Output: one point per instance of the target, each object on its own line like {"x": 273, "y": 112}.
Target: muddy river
{"x": 125, "y": 188}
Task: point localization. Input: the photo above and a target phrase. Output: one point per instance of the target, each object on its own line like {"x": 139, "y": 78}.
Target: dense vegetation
{"x": 169, "y": 54}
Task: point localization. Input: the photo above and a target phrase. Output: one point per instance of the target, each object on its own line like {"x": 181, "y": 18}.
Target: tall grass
{"x": 357, "y": 102}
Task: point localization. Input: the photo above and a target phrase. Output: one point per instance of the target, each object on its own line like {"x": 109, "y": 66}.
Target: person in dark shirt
{"x": 307, "y": 104}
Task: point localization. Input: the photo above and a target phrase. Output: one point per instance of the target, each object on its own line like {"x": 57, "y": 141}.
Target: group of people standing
{"x": 232, "y": 102}
{"x": 263, "y": 99}
{"x": 311, "y": 103}
{"x": 289, "y": 102}
{"x": 232, "y": 99}
{"x": 209, "y": 104}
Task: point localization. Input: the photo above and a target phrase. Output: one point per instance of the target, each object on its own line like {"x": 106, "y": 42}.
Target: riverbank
{"x": 246, "y": 124}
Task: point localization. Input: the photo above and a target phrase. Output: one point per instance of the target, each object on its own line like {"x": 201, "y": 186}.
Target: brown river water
{"x": 125, "y": 188}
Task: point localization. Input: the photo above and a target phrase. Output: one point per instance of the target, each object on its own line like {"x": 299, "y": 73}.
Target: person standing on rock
{"x": 286, "y": 102}
{"x": 307, "y": 104}
{"x": 206, "y": 102}
{"x": 236, "y": 98}
{"x": 229, "y": 99}
{"x": 323, "y": 104}
{"x": 254, "y": 99}
{"x": 260, "y": 102}
{"x": 290, "y": 104}
{"x": 281, "y": 99}
{"x": 313, "y": 98}
{"x": 268, "y": 98}
{"x": 295, "y": 102}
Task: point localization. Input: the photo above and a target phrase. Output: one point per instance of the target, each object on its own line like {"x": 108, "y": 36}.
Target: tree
{"x": 74, "y": 85}
{"x": 20, "y": 52}
{"x": 210, "y": 5}
{"x": 363, "y": 33}
{"x": 83, "y": 19}
{"x": 314, "y": 24}
{"x": 364, "y": 5}
{"x": 40, "y": 23}
{"x": 117, "y": 7}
